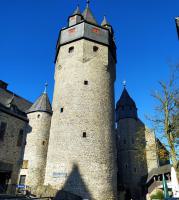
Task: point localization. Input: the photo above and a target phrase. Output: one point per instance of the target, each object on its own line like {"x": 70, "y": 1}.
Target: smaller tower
{"x": 129, "y": 171}
{"x": 136, "y": 148}
{"x": 35, "y": 154}
{"x": 76, "y": 17}
{"x": 105, "y": 24}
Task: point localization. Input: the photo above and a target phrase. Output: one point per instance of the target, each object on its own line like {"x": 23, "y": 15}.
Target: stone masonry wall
{"x": 36, "y": 148}
{"x": 137, "y": 154}
{"x": 85, "y": 166}
{"x": 10, "y": 152}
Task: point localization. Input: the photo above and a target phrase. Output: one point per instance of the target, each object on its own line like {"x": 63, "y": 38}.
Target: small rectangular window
{"x": 95, "y": 48}
{"x": 85, "y": 82}
{"x": 61, "y": 110}
{"x": 3, "y": 127}
{"x": 84, "y": 134}
{"x": 71, "y": 50}
{"x": 20, "y": 138}
{"x": 25, "y": 164}
{"x": 22, "y": 180}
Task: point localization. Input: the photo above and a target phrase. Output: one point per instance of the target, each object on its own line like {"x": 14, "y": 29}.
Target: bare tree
{"x": 166, "y": 121}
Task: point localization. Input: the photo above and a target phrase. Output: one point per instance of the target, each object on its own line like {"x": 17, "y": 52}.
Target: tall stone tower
{"x": 35, "y": 155}
{"x": 81, "y": 155}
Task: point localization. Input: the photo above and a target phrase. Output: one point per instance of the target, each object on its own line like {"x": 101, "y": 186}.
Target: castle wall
{"x": 83, "y": 165}
{"x": 36, "y": 148}
{"x": 11, "y": 149}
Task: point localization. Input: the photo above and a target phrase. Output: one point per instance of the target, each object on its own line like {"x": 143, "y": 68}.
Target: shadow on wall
{"x": 74, "y": 188}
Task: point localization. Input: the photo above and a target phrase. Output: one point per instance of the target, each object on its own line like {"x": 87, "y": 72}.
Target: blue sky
{"x": 145, "y": 35}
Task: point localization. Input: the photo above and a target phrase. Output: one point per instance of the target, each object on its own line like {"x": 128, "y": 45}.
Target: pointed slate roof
{"x": 125, "y": 99}
{"x": 42, "y": 104}
{"x": 126, "y": 107}
{"x": 105, "y": 22}
{"x": 77, "y": 11}
{"x": 88, "y": 16}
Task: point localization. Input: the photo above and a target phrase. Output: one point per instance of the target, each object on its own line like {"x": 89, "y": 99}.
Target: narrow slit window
{"x": 20, "y": 138}
{"x": 95, "y": 49}
{"x": 71, "y": 50}
{"x": 84, "y": 134}
{"x": 85, "y": 82}
{"x": 61, "y": 110}
{"x": 3, "y": 127}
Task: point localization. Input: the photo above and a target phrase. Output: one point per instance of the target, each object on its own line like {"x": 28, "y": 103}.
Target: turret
{"x": 76, "y": 17}
{"x": 105, "y": 24}
{"x": 35, "y": 154}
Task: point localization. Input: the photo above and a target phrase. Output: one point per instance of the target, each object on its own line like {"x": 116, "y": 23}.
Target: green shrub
{"x": 157, "y": 195}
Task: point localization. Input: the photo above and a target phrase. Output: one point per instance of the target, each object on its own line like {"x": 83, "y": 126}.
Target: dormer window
{"x": 95, "y": 48}
{"x": 71, "y": 50}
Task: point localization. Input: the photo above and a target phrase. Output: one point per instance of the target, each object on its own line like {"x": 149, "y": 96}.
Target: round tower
{"x": 33, "y": 168}
{"x": 81, "y": 155}
{"x": 136, "y": 148}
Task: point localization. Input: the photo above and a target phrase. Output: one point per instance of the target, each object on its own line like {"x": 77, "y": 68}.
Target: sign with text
{"x": 59, "y": 175}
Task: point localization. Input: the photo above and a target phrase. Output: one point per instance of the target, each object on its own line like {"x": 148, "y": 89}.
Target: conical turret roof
{"x": 77, "y": 11}
{"x": 125, "y": 99}
{"x": 88, "y": 16}
{"x": 42, "y": 104}
{"x": 105, "y": 22}
{"x": 126, "y": 107}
